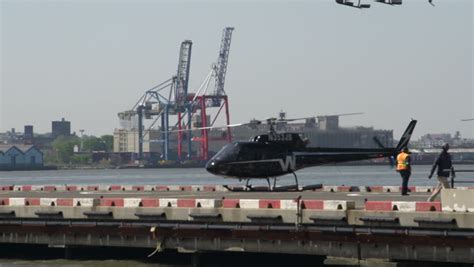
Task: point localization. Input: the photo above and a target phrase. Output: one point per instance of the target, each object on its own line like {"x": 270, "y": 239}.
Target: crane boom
{"x": 221, "y": 67}
{"x": 182, "y": 76}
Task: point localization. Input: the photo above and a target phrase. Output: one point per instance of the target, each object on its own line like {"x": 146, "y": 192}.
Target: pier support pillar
{"x": 67, "y": 253}
{"x": 196, "y": 259}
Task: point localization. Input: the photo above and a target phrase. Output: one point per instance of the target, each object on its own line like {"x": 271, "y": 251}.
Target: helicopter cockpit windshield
{"x": 217, "y": 164}
{"x": 228, "y": 153}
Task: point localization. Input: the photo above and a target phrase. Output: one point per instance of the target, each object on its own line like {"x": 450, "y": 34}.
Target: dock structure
{"x": 333, "y": 221}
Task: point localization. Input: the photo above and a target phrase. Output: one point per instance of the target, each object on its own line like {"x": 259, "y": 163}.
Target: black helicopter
{"x": 268, "y": 156}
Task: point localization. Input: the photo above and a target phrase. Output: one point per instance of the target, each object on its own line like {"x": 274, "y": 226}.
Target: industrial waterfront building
{"x": 62, "y": 127}
{"x": 20, "y": 157}
{"x": 126, "y": 140}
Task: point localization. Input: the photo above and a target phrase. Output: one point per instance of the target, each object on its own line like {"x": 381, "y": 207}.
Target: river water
{"x": 327, "y": 175}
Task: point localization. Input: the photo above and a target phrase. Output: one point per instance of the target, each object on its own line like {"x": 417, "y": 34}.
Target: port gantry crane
{"x": 157, "y": 103}
{"x": 217, "y": 99}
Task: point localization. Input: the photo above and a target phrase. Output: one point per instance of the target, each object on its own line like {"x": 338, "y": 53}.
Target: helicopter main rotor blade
{"x": 255, "y": 122}
{"x": 343, "y": 114}
{"x": 208, "y": 128}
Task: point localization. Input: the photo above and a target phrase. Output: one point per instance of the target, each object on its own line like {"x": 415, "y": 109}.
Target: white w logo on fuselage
{"x": 288, "y": 163}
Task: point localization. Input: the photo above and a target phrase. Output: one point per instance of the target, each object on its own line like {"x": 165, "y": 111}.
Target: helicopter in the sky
{"x": 268, "y": 156}
{"x": 361, "y": 5}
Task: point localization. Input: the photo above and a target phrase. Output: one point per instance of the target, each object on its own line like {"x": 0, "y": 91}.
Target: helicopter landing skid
{"x": 286, "y": 188}
{"x": 250, "y": 188}
{"x": 272, "y": 188}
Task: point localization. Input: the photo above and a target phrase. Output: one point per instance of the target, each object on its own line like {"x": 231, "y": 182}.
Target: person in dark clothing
{"x": 404, "y": 168}
{"x": 445, "y": 167}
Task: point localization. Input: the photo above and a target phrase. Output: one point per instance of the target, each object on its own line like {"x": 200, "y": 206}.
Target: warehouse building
{"x": 19, "y": 157}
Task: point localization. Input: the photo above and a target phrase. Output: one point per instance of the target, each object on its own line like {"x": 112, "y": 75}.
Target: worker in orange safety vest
{"x": 404, "y": 168}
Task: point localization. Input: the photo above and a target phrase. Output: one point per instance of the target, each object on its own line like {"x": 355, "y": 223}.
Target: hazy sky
{"x": 88, "y": 60}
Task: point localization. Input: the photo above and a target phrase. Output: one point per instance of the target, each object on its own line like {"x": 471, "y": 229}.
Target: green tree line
{"x": 63, "y": 148}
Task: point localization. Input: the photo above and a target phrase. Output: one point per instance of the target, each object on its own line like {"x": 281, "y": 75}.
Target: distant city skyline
{"x": 88, "y": 60}
{"x": 84, "y": 132}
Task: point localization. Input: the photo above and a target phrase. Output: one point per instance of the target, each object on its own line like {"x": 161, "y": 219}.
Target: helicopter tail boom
{"x": 405, "y": 139}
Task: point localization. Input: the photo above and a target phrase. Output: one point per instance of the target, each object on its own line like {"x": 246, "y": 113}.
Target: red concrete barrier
{"x": 26, "y": 188}
{"x": 378, "y": 205}
{"x": 209, "y": 188}
{"x": 115, "y": 188}
{"x": 231, "y": 203}
{"x": 32, "y": 201}
{"x": 185, "y": 188}
{"x": 150, "y": 202}
{"x": 92, "y": 188}
{"x": 376, "y": 188}
{"x": 161, "y": 188}
{"x": 410, "y": 189}
{"x": 269, "y": 204}
{"x": 428, "y": 206}
{"x": 68, "y": 202}
{"x": 49, "y": 188}
{"x": 138, "y": 188}
{"x": 344, "y": 188}
{"x": 112, "y": 202}
{"x": 6, "y": 187}
{"x": 186, "y": 203}
{"x": 312, "y": 204}
{"x": 72, "y": 188}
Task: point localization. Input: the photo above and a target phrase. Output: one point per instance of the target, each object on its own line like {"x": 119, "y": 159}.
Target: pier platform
{"x": 332, "y": 221}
